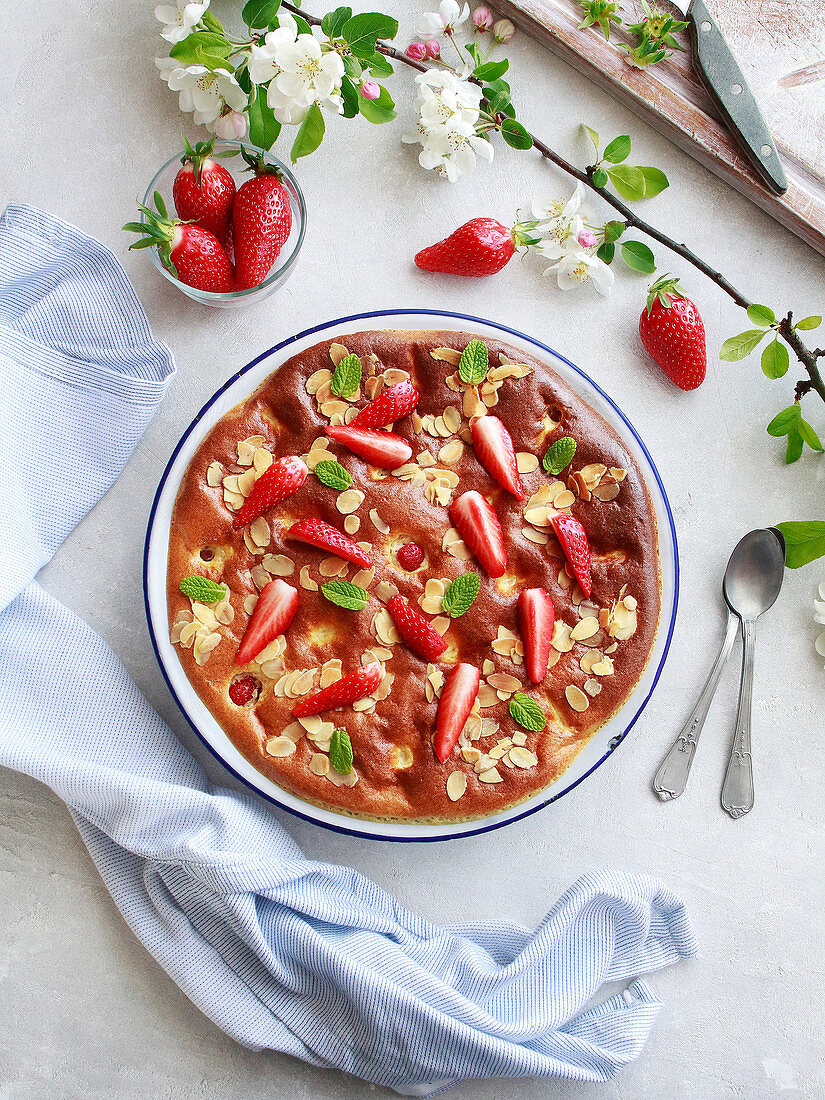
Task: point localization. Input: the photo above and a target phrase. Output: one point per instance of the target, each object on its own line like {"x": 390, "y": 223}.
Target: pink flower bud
{"x": 416, "y": 51}
{"x": 587, "y": 238}
{"x": 503, "y": 30}
{"x": 483, "y": 19}
{"x": 370, "y": 90}
{"x": 230, "y": 125}
{"x": 432, "y": 48}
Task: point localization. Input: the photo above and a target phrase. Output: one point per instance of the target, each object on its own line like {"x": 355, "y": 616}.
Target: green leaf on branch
{"x": 775, "y": 359}
{"x": 301, "y": 23}
{"x": 804, "y": 541}
{"x": 807, "y": 323}
{"x": 809, "y": 435}
{"x": 617, "y": 150}
{"x": 263, "y": 126}
{"x": 310, "y": 134}
{"x": 594, "y": 137}
{"x": 491, "y": 70}
{"x": 362, "y": 31}
{"x": 790, "y": 423}
{"x": 638, "y": 257}
{"x": 203, "y": 48}
{"x": 600, "y": 178}
{"x": 350, "y": 96}
{"x": 628, "y": 181}
{"x": 606, "y": 252}
{"x": 260, "y": 14}
{"x": 333, "y": 22}
{"x": 379, "y": 66}
{"x": 655, "y": 181}
{"x": 785, "y": 421}
{"x": 761, "y": 315}
{"x": 353, "y": 68}
{"x": 737, "y": 347}
{"x": 377, "y": 110}
{"x": 613, "y": 230}
{"x": 498, "y": 94}
{"x": 212, "y": 23}
{"x": 515, "y": 135}
{"x": 794, "y": 448}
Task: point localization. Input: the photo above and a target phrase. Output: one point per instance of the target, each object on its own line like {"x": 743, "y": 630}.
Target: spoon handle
{"x": 671, "y": 778}
{"x": 737, "y": 790}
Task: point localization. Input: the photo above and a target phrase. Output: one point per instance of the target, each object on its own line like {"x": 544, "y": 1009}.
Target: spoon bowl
{"x": 754, "y": 574}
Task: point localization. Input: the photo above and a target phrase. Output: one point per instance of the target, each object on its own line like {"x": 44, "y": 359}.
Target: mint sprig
{"x": 559, "y": 455}
{"x": 461, "y": 595}
{"x": 345, "y": 594}
{"x": 340, "y": 752}
{"x": 526, "y": 712}
{"x": 475, "y": 359}
{"x": 202, "y": 589}
{"x": 332, "y": 473}
{"x": 346, "y": 378}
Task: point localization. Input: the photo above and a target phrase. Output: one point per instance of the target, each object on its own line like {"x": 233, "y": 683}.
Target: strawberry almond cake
{"x": 412, "y": 574}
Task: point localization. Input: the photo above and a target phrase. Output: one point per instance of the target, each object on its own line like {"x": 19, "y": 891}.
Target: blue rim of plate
{"x": 482, "y": 827}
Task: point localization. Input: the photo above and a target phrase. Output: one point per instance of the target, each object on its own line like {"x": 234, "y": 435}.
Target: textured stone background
{"x": 86, "y": 1012}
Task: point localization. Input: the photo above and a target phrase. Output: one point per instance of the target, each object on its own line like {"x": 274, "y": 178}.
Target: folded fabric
{"x": 281, "y": 952}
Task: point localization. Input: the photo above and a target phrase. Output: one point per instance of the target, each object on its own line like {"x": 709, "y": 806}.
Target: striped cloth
{"x": 282, "y": 953}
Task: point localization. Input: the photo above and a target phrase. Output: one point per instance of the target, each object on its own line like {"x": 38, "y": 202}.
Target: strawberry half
{"x": 478, "y": 525}
{"x": 357, "y": 685}
{"x": 283, "y": 478}
{"x": 382, "y": 449}
{"x": 270, "y": 617}
{"x": 416, "y": 631}
{"x": 573, "y": 539}
{"x": 479, "y": 247}
{"x": 396, "y": 401}
{"x": 457, "y": 698}
{"x": 493, "y": 446}
{"x": 673, "y": 333}
{"x": 326, "y": 537}
{"x": 536, "y": 620}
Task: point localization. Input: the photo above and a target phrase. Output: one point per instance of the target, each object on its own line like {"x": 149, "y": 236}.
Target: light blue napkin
{"x": 282, "y": 953}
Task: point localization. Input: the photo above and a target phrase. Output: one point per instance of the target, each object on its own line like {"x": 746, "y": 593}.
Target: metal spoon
{"x": 671, "y": 778}
{"x": 749, "y": 593}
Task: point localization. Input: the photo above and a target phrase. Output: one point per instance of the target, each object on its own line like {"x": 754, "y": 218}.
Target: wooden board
{"x": 780, "y": 48}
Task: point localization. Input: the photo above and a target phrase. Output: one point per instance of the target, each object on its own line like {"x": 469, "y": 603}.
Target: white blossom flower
{"x": 568, "y": 240}
{"x": 560, "y": 219}
{"x": 203, "y": 91}
{"x": 263, "y": 64}
{"x": 179, "y": 18}
{"x": 819, "y": 617}
{"x": 447, "y": 130}
{"x": 444, "y": 21}
{"x": 577, "y": 266}
{"x": 452, "y": 149}
{"x": 298, "y": 71}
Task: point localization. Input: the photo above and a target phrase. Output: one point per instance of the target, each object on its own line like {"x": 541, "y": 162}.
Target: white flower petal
{"x": 819, "y": 644}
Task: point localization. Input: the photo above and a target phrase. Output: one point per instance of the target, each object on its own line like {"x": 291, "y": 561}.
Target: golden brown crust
{"x": 622, "y": 534}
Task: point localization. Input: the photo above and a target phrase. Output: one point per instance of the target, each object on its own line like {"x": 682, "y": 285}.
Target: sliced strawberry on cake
{"x": 396, "y": 401}
{"x": 270, "y": 617}
{"x": 383, "y": 449}
{"x": 573, "y": 539}
{"x": 357, "y": 685}
{"x": 477, "y": 523}
{"x": 457, "y": 697}
{"x": 493, "y": 446}
{"x": 315, "y": 532}
{"x": 536, "y": 620}
{"x": 283, "y": 478}
{"x": 416, "y": 632}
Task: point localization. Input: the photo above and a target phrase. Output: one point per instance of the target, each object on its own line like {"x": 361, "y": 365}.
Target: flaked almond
{"x": 349, "y": 501}
{"x": 384, "y": 628}
{"x": 260, "y": 577}
{"x": 249, "y": 603}
{"x": 540, "y": 538}
{"x": 592, "y": 687}
{"x": 492, "y": 775}
{"x": 563, "y": 500}
{"x": 259, "y": 532}
{"x": 527, "y": 462}
{"x": 378, "y": 523}
{"x": 447, "y": 355}
{"x": 279, "y": 565}
{"x": 333, "y": 567}
{"x": 364, "y": 577}
{"x": 280, "y": 746}
{"x": 317, "y": 379}
{"x": 306, "y": 581}
{"x": 604, "y": 667}
{"x": 523, "y": 758}
{"x": 487, "y": 696}
{"x": 503, "y": 681}
{"x": 214, "y": 474}
{"x": 576, "y": 698}
{"x": 441, "y": 623}
{"x": 451, "y": 452}
{"x": 337, "y": 352}
{"x": 319, "y": 763}
{"x": 606, "y": 492}
{"x": 585, "y": 628}
{"x": 385, "y": 591}
{"x": 262, "y": 460}
{"x": 562, "y": 640}
{"x": 352, "y": 524}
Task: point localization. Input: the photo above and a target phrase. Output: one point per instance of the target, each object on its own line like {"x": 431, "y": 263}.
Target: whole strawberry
{"x": 261, "y": 222}
{"x": 192, "y": 254}
{"x": 203, "y": 191}
{"x": 479, "y": 247}
{"x": 672, "y": 331}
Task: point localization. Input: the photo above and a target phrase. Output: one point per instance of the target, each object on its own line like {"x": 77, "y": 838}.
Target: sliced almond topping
{"x": 563, "y": 500}
{"x": 349, "y": 501}
{"x": 246, "y": 450}
{"x": 384, "y": 628}
{"x": 425, "y": 459}
{"x": 630, "y": 603}
{"x": 279, "y": 565}
{"x": 472, "y": 404}
{"x": 441, "y": 623}
{"x": 319, "y": 763}
{"x": 337, "y": 352}
{"x": 562, "y": 640}
{"x": 331, "y": 672}
{"x": 492, "y": 775}
{"x": 317, "y": 379}
{"x": 333, "y": 567}
{"x": 452, "y": 418}
{"x": 294, "y": 731}
{"x": 351, "y": 524}
{"x": 385, "y": 591}
{"x": 523, "y": 758}
{"x": 262, "y": 460}
{"x": 539, "y": 517}
{"x": 306, "y": 581}
{"x": 585, "y": 628}
{"x": 447, "y": 355}
{"x": 487, "y": 696}
{"x": 488, "y": 667}
{"x": 604, "y": 667}
{"x": 592, "y": 687}
{"x": 280, "y": 746}
{"x": 503, "y": 681}
{"x": 576, "y": 698}
{"x": 541, "y": 538}
{"x": 519, "y": 737}
{"x": 606, "y": 492}
{"x": 392, "y": 376}
{"x": 214, "y": 474}
{"x": 364, "y": 577}
{"x": 249, "y": 603}
{"x": 260, "y": 577}
{"x": 527, "y": 462}
{"x": 364, "y": 704}
{"x": 275, "y": 649}
{"x": 378, "y": 522}
{"x": 334, "y": 407}
{"x": 259, "y": 531}
{"x": 451, "y": 452}
{"x": 617, "y": 473}
{"x": 456, "y": 785}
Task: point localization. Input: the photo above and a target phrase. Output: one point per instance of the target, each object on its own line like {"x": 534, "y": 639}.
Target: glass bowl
{"x": 285, "y": 263}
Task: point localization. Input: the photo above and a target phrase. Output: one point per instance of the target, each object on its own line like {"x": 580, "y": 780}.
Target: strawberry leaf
{"x": 461, "y": 595}
{"x": 737, "y": 347}
{"x": 472, "y": 367}
{"x": 346, "y": 378}
{"x": 345, "y": 594}
{"x": 340, "y": 752}
{"x": 559, "y": 455}
{"x": 804, "y": 541}
{"x": 526, "y": 712}
{"x": 332, "y": 473}
{"x": 202, "y": 589}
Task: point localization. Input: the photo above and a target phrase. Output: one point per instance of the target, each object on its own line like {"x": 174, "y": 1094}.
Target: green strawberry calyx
{"x": 664, "y": 290}
{"x": 158, "y": 230}
{"x": 256, "y": 162}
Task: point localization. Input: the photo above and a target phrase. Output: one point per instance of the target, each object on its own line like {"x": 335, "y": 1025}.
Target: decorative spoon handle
{"x": 671, "y": 778}
{"x": 737, "y": 790}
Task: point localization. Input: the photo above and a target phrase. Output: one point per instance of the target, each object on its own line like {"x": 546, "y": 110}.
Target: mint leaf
{"x": 526, "y": 712}
{"x": 263, "y": 126}
{"x": 559, "y": 455}
{"x": 804, "y": 541}
{"x": 617, "y": 150}
{"x": 362, "y": 31}
{"x": 737, "y": 347}
{"x": 638, "y": 257}
{"x": 655, "y": 181}
{"x": 594, "y": 137}
{"x": 761, "y": 315}
{"x": 808, "y": 323}
{"x": 333, "y": 22}
{"x": 472, "y": 367}
{"x": 310, "y": 134}
{"x": 340, "y": 752}
{"x": 461, "y": 595}
{"x": 628, "y": 181}
{"x": 775, "y": 359}
{"x": 515, "y": 135}
{"x": 785, "y": 421}
{"x": 332, "y": 473}
{"x": 202, "y": 589}
{"x": 346, "y": 378}
{"x": 378, "y": 110}
{"x": 260, "y": 14}
{"x": 345, "y": 594}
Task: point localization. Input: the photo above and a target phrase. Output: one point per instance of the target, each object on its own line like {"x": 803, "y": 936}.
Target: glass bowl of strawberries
{"x": 224, "y": 221}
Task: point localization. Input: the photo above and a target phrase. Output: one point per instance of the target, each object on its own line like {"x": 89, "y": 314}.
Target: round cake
{"x": 412, "y": 574}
